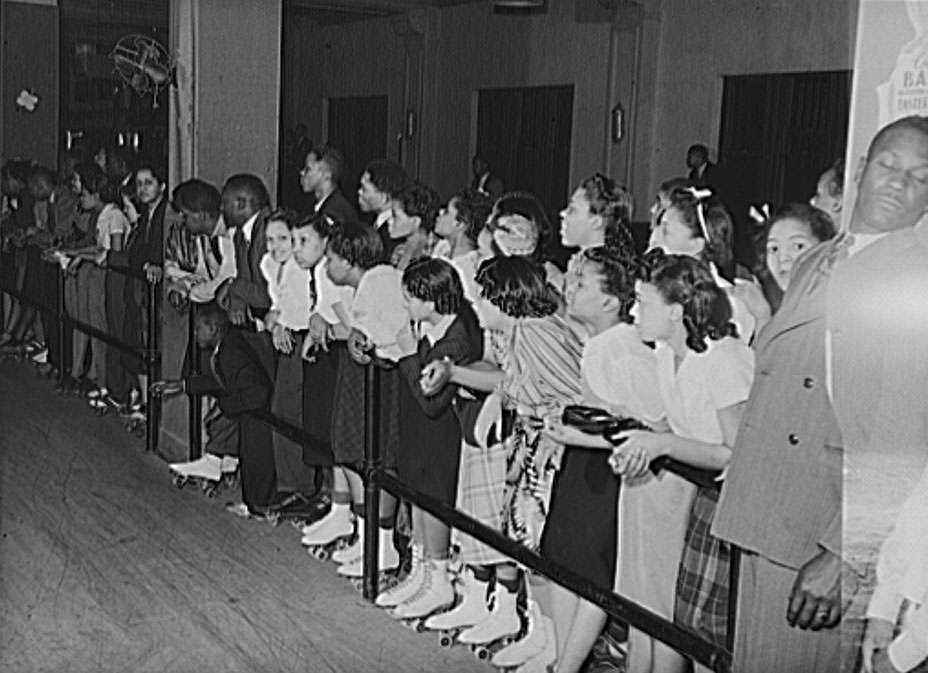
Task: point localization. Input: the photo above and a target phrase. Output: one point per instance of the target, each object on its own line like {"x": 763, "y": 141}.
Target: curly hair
{"x": 419, "y": 200}
{"x": 357, "y": 243}
{"x": 517, "y": 287}
{"x": 433, "y": 279}
{"x": 615, "y": 204}
{"x": 387, "y": 176}
{"x": 473, "y": 210}
{"x": 684, "y": 280}
{"x": 617, "y": 277}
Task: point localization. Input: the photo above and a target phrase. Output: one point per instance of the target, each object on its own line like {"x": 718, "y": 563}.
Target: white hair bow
{"x": 699, "y": 195}
{"x": 760, "y": 215}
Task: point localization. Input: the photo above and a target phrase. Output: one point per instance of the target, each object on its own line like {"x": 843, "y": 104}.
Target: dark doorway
{"x": 357, "y": 126}
{"x": 779, "y": 133}
{"x": 524, "y": 135}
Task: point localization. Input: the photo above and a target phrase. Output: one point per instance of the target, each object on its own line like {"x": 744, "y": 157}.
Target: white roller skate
{"x": 332, "y": 530}
{"x": 471, "y": 609}
{"x": 435, "y": 594}
{"x": 544, "y": 661}
{"x": 387, "y": 556}
{"x": 206, "y": 470}
{"x": 408, "y": 587}
{"x": 538, "y": 629}
{"x": 499, "y": 628}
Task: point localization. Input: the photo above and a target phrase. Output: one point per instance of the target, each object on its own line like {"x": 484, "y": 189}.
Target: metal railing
{"x": 376, "y": 478}
{"x": 149, "y": 355}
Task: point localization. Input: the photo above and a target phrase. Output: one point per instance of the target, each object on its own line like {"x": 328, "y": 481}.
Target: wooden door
{"x": 357, "y": 126}
{"x": 524, "y": 135}
{"x": 779, "y": 134}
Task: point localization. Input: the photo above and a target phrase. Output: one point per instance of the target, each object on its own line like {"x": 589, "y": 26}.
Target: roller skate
{"x": 471, "y": 609}
{"x": 499, "y": 629}
{"x": 303, "y": 510}
{"x": 244, "y": 511}
{"x": 534, "y": 644}
{"x": 388, "y": 559}
{"x": 407, "y": 587}
{"x": 136, "y": 420}
{"x": 435, "y": 595}
{"x": 329, "y": 535}
{"x": 208, "y": 472}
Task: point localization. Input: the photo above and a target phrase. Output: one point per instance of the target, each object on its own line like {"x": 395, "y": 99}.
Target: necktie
{"x": 312, "y": 290}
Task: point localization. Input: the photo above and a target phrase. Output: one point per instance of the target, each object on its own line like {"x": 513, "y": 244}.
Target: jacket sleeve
{"x": 202, "y": 384}
{"x": 454, "y": 346}
{"x": 247, "y": 386}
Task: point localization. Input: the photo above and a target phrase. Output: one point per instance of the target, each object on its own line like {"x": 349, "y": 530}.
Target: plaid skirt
{"x": 701, "y": 604}
{"x": 481, "y": 485}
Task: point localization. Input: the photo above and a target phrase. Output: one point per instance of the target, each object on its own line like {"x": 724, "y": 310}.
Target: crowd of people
{"x": 481, "y": 342}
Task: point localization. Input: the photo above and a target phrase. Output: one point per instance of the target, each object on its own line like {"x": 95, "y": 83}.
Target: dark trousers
{"x": 118, "y": 381}
{"x": 256, "y": 463}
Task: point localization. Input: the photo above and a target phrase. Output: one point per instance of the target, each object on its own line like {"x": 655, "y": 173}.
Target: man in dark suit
{"x": 319, "y": 177}
{"x": 240, "y": 381}
{"x": 833, "y": 384}
{"x": 702, "y": 171}
{"x": 484, "y": 181}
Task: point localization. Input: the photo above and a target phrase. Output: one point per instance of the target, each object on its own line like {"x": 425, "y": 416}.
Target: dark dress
{"x": 430, "y": 435}
{"x": 348, "y": 412}
{"x": 584, "y": 507}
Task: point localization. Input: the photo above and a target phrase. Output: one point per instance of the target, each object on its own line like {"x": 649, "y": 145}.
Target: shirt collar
{"x": 249, "y": 226}
{"x": 382, "y": 218}
{"x": 434, "y": 333}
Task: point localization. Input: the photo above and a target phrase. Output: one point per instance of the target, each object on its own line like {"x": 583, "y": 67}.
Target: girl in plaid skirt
{"x": 704, "y": 375}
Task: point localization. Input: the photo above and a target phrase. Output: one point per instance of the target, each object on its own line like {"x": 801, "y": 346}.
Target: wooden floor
{"x": 105, "y": 566}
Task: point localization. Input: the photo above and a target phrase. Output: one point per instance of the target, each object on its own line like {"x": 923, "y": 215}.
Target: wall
{"x": 365, "y": 58}
{"x": 237, "y": 89}
{"x": 29, "y": 60}
{"x": 685, "y": 49}
{"x": 701, "y": 42}
{"x": 481, "y": 49}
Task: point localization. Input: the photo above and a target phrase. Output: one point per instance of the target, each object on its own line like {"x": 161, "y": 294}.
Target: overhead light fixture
{"x": 519, "y": 4}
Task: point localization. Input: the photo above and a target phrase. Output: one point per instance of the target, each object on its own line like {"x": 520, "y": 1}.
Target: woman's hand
{"x": 319, "y": 331}
{"x": 434, "y": 377}
{"x": 633, "y": 456}
{"x": 358, "y": 346}
{"x": 283, "y": 339}
{"x": 153, "y": 273}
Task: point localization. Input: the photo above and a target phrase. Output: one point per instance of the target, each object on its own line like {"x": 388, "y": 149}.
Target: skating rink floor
{"x": 106, "y": 566}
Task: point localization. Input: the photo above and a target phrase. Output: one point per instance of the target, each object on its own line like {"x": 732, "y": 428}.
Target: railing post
{"x": 372, "y": 466}
{"x": 194, "y": 402}
{"x": 62, "y": 324}
{"x": 152, "y": 365}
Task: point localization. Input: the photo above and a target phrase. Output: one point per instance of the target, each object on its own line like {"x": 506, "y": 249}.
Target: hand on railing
{"x": 435, "y": 376}
{"x": 153, "y": 273}
{"x": 358, "y": 347}
{"x": 635, "y": 452}
{"x": 166, "y": 388}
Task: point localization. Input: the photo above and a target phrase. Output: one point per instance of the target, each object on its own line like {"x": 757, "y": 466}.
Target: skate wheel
{"x": 482, "y": 653}
{"x": 446, "y": 641}
{"x": 180, "y": 481}
{"x": 210, "y": 491}
{"x": 322, "y": 554}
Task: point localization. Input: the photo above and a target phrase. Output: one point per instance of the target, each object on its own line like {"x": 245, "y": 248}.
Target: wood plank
{"x": 105, "y": 566}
